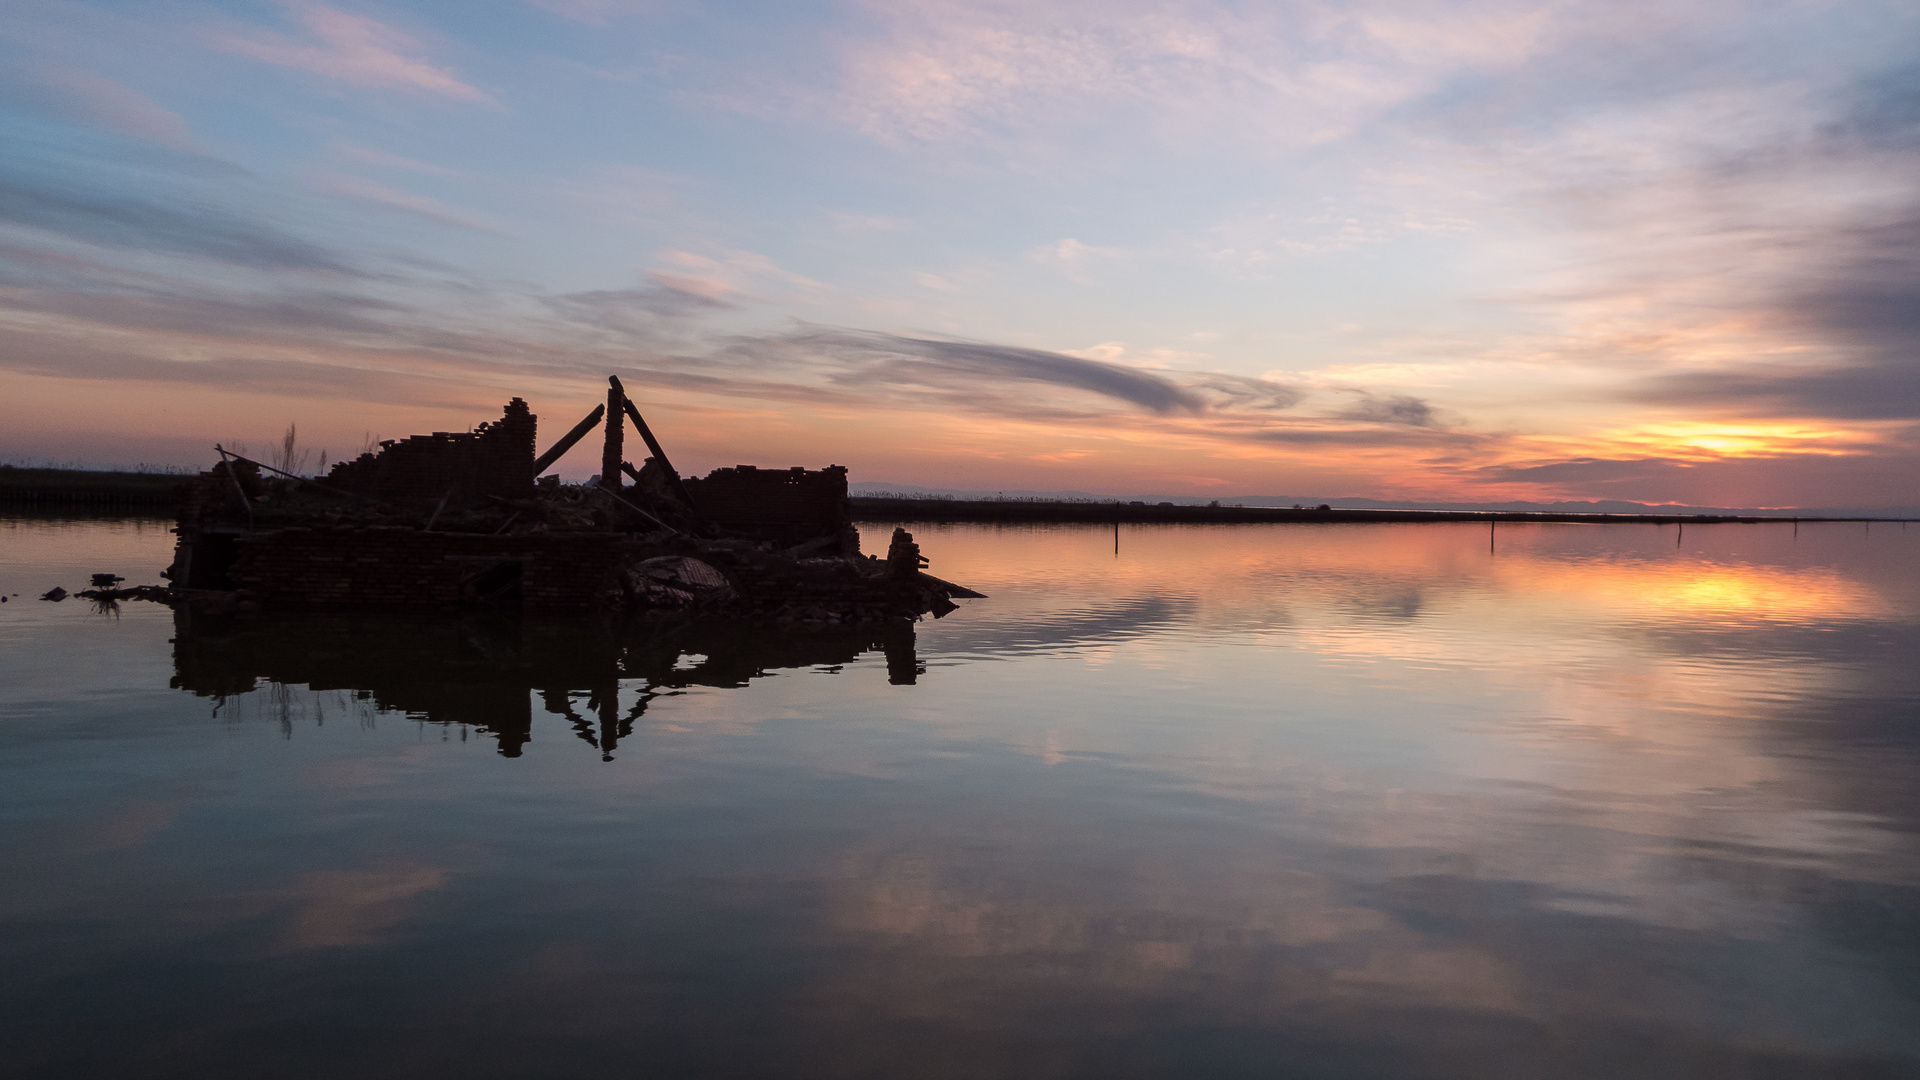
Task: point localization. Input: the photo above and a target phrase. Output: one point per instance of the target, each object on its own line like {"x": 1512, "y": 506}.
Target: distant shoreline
{"x": 873, "y": 508}
{"x": 58, "y": 488}
{"x": 85, "y": 488}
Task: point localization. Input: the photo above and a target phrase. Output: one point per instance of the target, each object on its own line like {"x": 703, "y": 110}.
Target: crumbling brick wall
{"x": 745, "y": 495}
{"x": 569, "y": 571}
{"x": 786, "y": 506}
{"x": 493, "y": 459}
{"x": 216, "y": 492}
{"x": 403, "y": 566}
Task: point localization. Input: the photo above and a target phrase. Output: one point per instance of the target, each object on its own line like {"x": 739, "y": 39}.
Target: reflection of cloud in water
{"x": 125, "y": 826}
{"x": 1725, "y": 592}
{"x": 1216, "y": 929}
{"x": 1667, "y": 738}
{"x": 1390, "y": 602}
{"x": 340, "y": 908}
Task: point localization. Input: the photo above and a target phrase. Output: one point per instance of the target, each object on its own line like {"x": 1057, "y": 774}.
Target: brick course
{"x": 388, "y": 565}
{"x": 492, "y": 459}
{"x": 745, "y": 495}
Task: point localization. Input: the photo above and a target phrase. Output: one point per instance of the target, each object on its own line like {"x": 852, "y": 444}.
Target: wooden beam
{"x": 653, "y": 445}
{"x": 310, "y": 483}
{"x": 245, "y": 503}
{"x": 614, "y": 448}
{"x": 642, "y": 513}
{"x": 554, "y": 452}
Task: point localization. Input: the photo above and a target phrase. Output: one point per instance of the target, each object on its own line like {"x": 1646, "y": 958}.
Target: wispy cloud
{"x": 70, "y": 358}
{"x": 878, "y": 358}
{"x": 370, "y": 156}
{"x": 352, "y": 49}
{"x": 1862, "y": 305}
{"x": 145, "y": 223}
{"x": 1300, "y": 72}
{"x": 284, "y": 316}
{"x": 597, "y": 12}
{"x": 1754, "y": 258}
{"x": 417, "y": 205}
{"x": 647, "y": 317}
{"x": 83, "y": 97}
{"x": 866, "y": 223}
{"x": 724, "y": 275}
{"x": 1073, "y": 258}
{"x": 1390, "y": 409}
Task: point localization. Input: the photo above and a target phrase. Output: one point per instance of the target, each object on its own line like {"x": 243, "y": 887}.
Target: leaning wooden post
{"x": 245, "y": 503}
{"x": 613, "y": 451}
{"x": 653, "y": 445}
{"x": 566, "y": 442}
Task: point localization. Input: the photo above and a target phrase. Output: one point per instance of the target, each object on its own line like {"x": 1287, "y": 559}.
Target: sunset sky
{"x": 1426, "y": 250}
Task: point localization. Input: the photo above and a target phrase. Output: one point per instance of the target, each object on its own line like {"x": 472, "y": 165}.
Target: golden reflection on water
{"x": 1633, "y": 681}
{"x": 1280, "y": 564}
{"x": 1726, "y": 592}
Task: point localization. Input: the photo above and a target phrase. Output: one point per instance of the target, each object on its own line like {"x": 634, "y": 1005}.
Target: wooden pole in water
{"x": 612, "y": 452}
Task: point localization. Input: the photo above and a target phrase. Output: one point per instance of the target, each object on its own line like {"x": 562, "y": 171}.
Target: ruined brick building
{"x": 464, "y": 517}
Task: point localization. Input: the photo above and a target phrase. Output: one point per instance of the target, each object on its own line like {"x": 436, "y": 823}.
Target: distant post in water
{"x": 614, "y": 451}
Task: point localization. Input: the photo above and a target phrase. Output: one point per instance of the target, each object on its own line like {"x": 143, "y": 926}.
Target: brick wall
{"x": 403, "y": 566}
{"x": 214, "y": 493}
{"x": 493, "y": 459}
{"x": 745, "y": 495}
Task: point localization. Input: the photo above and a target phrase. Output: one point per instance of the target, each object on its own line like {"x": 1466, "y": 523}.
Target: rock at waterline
{"x": 55, "y": 593}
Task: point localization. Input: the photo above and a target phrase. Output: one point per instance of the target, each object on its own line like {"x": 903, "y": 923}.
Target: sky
{"x": 1440, "y": 250}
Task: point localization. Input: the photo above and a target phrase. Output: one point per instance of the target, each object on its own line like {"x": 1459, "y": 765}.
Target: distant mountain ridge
{"x": 872, "y": 487}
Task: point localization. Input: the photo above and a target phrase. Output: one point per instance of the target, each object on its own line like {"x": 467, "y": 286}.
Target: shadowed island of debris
{"x": 466, "y": 519}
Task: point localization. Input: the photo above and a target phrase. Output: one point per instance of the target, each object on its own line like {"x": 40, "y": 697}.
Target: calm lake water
{"x": 1273, "y": 801}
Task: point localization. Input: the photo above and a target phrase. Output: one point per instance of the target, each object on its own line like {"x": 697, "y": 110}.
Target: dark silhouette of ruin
{"x": 466, "y": 519}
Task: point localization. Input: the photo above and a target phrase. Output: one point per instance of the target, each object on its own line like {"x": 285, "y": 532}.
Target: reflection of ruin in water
{"x": 481, "y": 671}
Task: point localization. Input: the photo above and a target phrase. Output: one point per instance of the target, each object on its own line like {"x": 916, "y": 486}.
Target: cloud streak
{"x": 880, "y": 358}
{"x": 1848, "y": 298}
{"x": 417, "y": 205}
{"x": 352, "y": 49}
{"x": 172, "y": 227}
{"x": 1293, "y": 74}
{"x": 83, "y": 97}
{"x": 1392, "y": 409}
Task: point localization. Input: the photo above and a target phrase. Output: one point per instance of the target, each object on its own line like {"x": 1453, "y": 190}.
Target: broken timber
{"x": 546, "y": 460}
